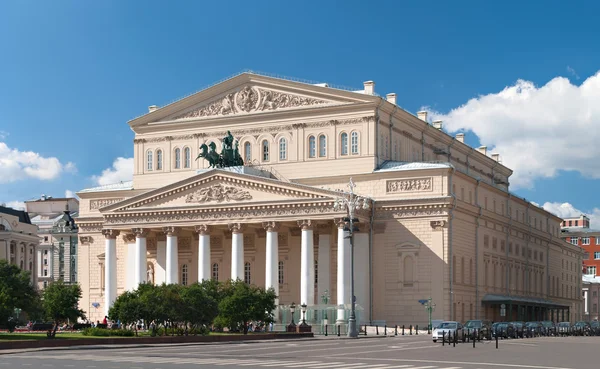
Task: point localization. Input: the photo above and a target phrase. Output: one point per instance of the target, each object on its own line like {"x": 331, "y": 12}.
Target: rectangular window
{"x": 597, "y": 255}
{"x": 597, "y": 240}
{"x": 574, "y": 240}
{"x": 591, "y": 270}
{"x": 45, "y": 252}
{"x": 45, "y": 261}
{"x": 585, "y": 240}
{"x": 280, "y": 272}
{"x": 45, "y": 272}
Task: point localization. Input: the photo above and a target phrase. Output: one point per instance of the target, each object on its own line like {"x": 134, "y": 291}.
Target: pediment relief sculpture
{"x": 218, "y": 193}
{"x": 250, "y": 99}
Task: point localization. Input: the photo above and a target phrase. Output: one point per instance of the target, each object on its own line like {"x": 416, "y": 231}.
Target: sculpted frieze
{"x": 97, "y": 204}
{"x": 218, "y": 193}
{"x": 251, "y": 99}
{"x": 409, "y": 185}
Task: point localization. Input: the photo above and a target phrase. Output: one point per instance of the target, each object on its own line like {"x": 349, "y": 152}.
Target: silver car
{"x": 448, "y": 329}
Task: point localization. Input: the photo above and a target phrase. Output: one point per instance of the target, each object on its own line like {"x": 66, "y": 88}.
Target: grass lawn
{"x": 37, "y": 336}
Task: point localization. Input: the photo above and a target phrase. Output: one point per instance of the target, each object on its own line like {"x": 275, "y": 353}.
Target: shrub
{"x": 100, "y": 332}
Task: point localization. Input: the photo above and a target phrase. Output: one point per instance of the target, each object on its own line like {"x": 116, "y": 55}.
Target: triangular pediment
{"x": 250, "y": 93}
{"x": 220, "y": 188}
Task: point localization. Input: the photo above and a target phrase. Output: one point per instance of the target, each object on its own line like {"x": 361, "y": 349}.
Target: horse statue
{"x": 214, "y": 159}
{"x": 230, "y": 155}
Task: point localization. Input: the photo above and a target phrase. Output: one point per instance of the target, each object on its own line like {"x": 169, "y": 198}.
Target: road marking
{"x": 306, "y": 363}
{"x": 460, "y": 363}
{"x": 26, "y": 364}
{"x": 278, "y": 363}
{"x": 328, "y": 365}
{"x": 386, "y": 350}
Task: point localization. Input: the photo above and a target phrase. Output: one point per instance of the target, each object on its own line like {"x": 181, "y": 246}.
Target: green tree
{"x": 199, "y": 307}
{"x": 16, "y": 291}
{"x": 243, "y": 303}
{"x": 127, "y": 308}
{"x": 60, "y": 303}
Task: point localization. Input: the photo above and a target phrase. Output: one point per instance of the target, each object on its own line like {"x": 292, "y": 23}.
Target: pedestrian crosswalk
{"x": 210, "y": 362}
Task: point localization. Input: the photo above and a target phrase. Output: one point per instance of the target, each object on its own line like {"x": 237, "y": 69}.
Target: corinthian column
{"x": 203, "y": 252}
{"x": 237, "y": 251}
{"x": 140, "y": 256}
{"x": 307, "y": 264}
{"x": 172, "y": 275}
{"x": 343, "y": 271}
{"x": 110, "y": 268}
{"x": 272, "y": 257}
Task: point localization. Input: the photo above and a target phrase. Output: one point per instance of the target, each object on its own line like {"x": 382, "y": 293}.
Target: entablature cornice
{"x": 411, "y": 211}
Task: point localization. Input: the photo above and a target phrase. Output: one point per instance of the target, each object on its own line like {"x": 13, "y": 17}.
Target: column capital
{"x": 340, "y": 223}
{"x": 236, "y": 227}
{"x": 110, "y": 233}
{"x": 171, "y": 231}
{"x": 202, "y": 229}
{"x": 129, "y": 237}
{"x": 305, "y": 224}
{"x": 271, "y": 226}
{"x": 140, "y": 232}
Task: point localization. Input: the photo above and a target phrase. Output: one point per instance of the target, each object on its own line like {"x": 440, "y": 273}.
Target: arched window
{"x": 265, "y": 150}
{"x": 215, "y": 272}
{"x": 149, "y": 157}
{"x": 184, "y": 274}
{"x": 408, "y": 271}
{"x": 177, "y": 158}
{"x": 312, "y": 147}
{"x": 187, "y": 155}
{"x": 322, "y": 146}
{"x": 247, "y": 152}
{"x": 247, "y": 273}
{"x": 159, "y": 159}
{"x": 344, "y": 144}
{"x": 280, "y": 271}
{"x": 282, "y": 148}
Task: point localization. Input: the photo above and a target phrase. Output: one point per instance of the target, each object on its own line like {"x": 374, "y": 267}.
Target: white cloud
{"x": 121, "y": 170}
{"x": 566, "y": 210}
{"x": 16, "y": 165}
{"x": 69, "y": 193}
{"x": 17, "y": 205}
{"x": 538, "y": 131}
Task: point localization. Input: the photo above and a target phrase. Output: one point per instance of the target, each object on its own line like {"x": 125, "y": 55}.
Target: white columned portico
{"x": 172, "y": 275}
{"x": 110, "y": 268}
{"x": 39, "y": 263}
{"x": 324, "y": 258}
{"x": 141, "y": 257}
{"x": 272, "y": 258}
{"x": 237, "y": 251}
{"x": 307, "y": 264}
{"x": 343, "y": 272}
{"x": 203, "y": 252}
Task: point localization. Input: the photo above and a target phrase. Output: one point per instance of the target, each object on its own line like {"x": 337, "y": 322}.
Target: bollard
{"x": 496, "y": 340}
{"x": 443, "y": 338}
{"x": 474, "y": 339}
{"x": 365, "y": 329}
{"x": 377, "y": 330}
{"x": 338, "y": 330}
{"x": 403, "y": 329}
{"x": 454, "y": 339}
{"x": 325, "y": 330}
{"x": 417, "y": 330}
{"x": 395, "y": 330}
{"x": 385, "y": 329}
{"x": 410, "y": 329}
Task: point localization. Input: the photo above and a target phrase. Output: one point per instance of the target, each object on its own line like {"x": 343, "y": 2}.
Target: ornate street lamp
{"x": 429, "y": 307}
{"x": 351, "y": 203}
{"x": 292, "y": 326}
{"x": 303, "y": 309}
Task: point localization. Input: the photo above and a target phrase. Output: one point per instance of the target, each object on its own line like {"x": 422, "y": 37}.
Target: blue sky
{"x": 517, "y": 76}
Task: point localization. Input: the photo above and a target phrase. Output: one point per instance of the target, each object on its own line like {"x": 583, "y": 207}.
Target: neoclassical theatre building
{"x": 442, "y": 223}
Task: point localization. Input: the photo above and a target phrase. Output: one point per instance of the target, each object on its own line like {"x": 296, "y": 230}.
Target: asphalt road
{"x": 409, "y": 352}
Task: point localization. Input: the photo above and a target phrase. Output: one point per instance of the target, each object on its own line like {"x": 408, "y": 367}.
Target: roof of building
{"x": 50, "y": 198}
{"x": 393, "y": 166}
{"x": 590, "y": 279}
{"x": 127, "y": 185}
{"x": 22, "y": 215}
{"x": 575, "y": 230}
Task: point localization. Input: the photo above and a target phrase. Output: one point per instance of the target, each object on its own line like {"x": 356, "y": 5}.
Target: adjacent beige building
{"x": 441, "y": 223}
{"x": 18, "y": 240}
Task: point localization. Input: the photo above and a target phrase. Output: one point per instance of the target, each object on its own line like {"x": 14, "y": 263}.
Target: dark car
{"x": 519, "y": 329}
{"x": 533, "y": 329}
{"x": 483, "y": 328}
{"x": 548, "y": 328}
{"x": 582, "y": 329}
{"x": 595, "y": 325}
{"x": 503, "y": 330}
{"x": 563, "y": 328}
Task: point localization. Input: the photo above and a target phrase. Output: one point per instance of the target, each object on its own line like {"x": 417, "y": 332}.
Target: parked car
{"x": 533, "y": 329}
{"x": 483, "y": 328}
{"x": 595, "y": 326}
{"x": 581, "y": 329}
{"x": 564, "y": 328}
{"x": 548, "y": 327}
{"x": 449, "y": 330}
{"x": 519, "y": 329}
{"x": 503, "y": 330}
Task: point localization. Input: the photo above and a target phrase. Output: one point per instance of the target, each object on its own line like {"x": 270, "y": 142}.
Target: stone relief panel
{"x": 97, "y": 204}
{"x": 218, "y": 193}
{"x": 184, "y": 243}
{"x": 409, "y": 185}
{"x": 250, "y": 99}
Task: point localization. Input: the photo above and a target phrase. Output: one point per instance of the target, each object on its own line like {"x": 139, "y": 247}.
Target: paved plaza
{"x": 410, "y": 352}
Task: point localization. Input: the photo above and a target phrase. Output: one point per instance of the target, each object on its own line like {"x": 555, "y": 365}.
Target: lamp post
{"x": 351, "y": 202}
{"x": 292, "y": 326}
{"x": 430, "y": 307}
{"x": 303, "y": 309}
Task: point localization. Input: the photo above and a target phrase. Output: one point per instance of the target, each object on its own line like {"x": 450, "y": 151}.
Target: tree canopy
{"x": 60, "y": 303}
{"x": 16, "y": 291}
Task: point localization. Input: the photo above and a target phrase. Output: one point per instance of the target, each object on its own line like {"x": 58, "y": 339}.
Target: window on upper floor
{"x": 470, "y": 197}
{"x": 322, "y": 146}
{"x": 596, "y": 255}
{"x": 215, "y": 272}
{"x": 597, "y": 240}
{"x": 312, "y": 147}
{"x": 149, "y": 157}
{"x": 46, "y": 239}
{"x": 187, "y": 157}
{"x": 576, "y": 223}
{"x": 247, "y": 273}
{"x": 462, "y": 194}
{"x": 177, "y": 158}
{"x": 159, "y": 158}
{"x": 590, "y": 270}
{"x": 45, "y": 261}
{"x": 354, "y": 143}
{"x": 574, "y": 240}
{"x": 45, "y": 252}
{"x": 282, "y": 148}
{"x": 344, "y": 143}
{"x": 585, "y": 240}
{"x": 247, "y": 152}
{"x": 265, "y": 150}
{"x": 280, "y": 272}
{"x": 184, "y": 274}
